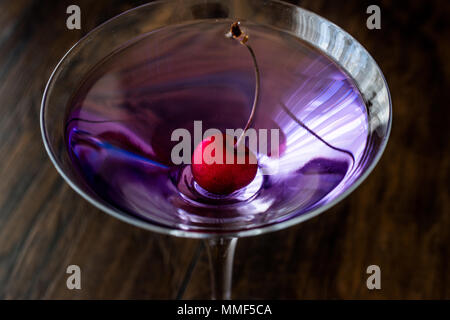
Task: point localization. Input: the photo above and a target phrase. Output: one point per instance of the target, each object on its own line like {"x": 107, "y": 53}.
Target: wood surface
{"x": 399, "y": 218}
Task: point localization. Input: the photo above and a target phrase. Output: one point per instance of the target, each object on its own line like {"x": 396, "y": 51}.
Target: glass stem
{"x": 221, "y": 256}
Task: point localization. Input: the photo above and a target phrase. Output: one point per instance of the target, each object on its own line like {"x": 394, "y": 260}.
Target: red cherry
{"x": 222, "y": 178}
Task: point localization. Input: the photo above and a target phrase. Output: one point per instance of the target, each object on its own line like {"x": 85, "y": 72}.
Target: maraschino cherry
{"x": 225, "y": 177}
{"x": 220, "y": 177}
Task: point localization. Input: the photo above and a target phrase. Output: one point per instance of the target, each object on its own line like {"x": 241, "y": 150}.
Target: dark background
{"x": 398, "y": 218}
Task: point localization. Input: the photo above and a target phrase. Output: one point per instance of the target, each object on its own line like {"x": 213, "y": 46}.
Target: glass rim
{"x": 148, "y": 225}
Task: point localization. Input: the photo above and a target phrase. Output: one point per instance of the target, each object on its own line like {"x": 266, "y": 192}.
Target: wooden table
{"x": 399, "y": 218}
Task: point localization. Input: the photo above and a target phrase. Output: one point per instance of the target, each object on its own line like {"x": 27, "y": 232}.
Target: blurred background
{"x": 398, "y": 219}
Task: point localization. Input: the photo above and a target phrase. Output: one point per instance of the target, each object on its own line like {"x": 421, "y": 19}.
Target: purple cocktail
{"x": 120, "y": 121}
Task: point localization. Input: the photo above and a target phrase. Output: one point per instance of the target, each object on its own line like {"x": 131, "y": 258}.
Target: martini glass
{"x": 114, "y": 99}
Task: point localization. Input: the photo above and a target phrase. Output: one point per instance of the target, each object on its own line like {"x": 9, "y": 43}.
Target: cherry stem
{"x": 236, "y": 33}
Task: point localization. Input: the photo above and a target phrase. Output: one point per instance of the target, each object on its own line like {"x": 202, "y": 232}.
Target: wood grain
{"x": 399, "y": 218}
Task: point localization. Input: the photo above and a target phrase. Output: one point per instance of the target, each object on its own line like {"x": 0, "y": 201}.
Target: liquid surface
{"x": 120, "y": 121}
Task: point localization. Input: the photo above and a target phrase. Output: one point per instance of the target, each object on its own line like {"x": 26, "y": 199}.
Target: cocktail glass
{"x": 259, "y": 217}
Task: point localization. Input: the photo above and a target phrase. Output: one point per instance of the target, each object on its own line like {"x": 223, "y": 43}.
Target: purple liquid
{"x": 120, "y": 122}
